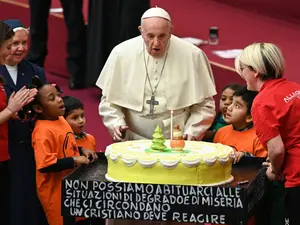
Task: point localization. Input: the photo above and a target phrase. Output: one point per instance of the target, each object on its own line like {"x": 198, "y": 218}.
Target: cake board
{"x": 86, "y": 192}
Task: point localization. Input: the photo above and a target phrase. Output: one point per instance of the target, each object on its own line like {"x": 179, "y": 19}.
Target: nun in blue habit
{"x": 17, "y": 72}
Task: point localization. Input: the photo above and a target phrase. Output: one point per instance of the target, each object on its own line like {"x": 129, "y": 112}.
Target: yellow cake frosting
{"x": 200, "y": 163}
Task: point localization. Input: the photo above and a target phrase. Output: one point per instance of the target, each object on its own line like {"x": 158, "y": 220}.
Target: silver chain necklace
{"x": 152, "y": 102}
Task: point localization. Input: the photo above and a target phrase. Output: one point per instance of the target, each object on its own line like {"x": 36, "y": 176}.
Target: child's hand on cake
{"x": 119, "y": 133}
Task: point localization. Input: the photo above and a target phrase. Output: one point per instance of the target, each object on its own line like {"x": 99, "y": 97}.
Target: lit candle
{"x": 171, "y": 125}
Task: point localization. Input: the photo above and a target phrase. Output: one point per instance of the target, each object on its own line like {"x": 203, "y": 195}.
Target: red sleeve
{"x": 44, "y": 157}
{"x": 265, "y": 122}
{"x": 3, "y": 98}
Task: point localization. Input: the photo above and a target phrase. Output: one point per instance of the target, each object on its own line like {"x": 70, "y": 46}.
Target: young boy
{"x": 74, "y": 114}
{"x": 240, "y": 134}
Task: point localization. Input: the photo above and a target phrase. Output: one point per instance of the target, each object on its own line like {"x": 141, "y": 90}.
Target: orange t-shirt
{"x": 87, "y": 142}
{"x": 245, "y": 141}
{"x": 52, "y": 140}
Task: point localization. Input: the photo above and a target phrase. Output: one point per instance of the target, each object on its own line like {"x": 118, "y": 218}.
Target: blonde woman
{"x": 276, "y": 116}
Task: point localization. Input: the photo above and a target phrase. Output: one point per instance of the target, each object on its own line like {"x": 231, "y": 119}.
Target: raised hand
{"x": 21, "y": 98}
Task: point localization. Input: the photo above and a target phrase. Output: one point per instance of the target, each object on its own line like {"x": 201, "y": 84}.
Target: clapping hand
{"x": 21, "y": 98}
{"x": 15, "y": 117}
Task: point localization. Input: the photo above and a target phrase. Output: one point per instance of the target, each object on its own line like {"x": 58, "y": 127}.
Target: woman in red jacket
{"x": 275, "y": 112}
{"x": 7, "y": 110}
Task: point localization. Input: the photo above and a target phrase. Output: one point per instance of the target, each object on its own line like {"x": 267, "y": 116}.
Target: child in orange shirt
{"x": 55, "y": 149}
{"x": 74, "y": 115}
{"x": 241, "y": 134}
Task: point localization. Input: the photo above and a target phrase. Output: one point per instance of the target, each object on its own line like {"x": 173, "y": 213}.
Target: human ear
{"x": 256, "y": 74}
{"x": 171, "y": 29}
{"x": 249, "y": 119}
{"x": 140, "y": 29}
{"x": 37, "y": 109}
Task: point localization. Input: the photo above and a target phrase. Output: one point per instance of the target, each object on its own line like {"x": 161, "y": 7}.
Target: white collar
{"x": 11, "y": 67}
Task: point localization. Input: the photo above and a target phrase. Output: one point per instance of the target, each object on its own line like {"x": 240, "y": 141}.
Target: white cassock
{"x": 185, "y": 84}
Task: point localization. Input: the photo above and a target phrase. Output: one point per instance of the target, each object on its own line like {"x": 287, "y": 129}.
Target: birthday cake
{"x": 155, "y": 161}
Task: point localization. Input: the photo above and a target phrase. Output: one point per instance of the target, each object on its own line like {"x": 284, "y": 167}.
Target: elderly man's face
{"x": 156, "y": 33}
{"x": 19, "y": 48}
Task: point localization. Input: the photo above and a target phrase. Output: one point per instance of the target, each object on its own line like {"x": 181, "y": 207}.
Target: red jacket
{"x": 3, "y": 128}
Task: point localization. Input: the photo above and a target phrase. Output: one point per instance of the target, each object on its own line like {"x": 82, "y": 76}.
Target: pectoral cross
{"x": 152, "y": 103}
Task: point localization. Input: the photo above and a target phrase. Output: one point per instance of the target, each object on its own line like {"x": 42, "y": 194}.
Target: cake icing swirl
{"x": 128, "y": 160}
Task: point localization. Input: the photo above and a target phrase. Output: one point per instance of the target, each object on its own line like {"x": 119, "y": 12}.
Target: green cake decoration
{"x": 158, "y": 142}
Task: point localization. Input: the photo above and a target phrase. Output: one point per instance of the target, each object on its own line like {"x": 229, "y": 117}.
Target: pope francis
{"x": 147, "y": 77}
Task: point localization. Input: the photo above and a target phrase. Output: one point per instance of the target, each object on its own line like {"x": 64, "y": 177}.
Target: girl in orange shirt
{"x": 55, "y": 149}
